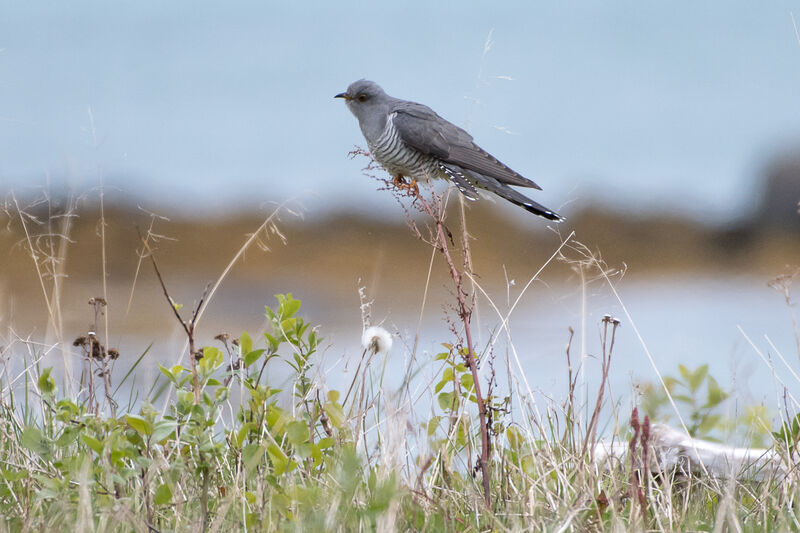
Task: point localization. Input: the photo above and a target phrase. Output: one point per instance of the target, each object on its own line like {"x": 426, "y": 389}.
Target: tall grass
{"x": 214, "y": 445}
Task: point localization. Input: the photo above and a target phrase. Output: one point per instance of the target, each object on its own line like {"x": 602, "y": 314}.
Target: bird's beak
{"x": 343, "y": 95}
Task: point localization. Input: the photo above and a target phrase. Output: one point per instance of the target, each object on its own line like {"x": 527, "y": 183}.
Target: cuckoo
{"x": 411, "y": 141}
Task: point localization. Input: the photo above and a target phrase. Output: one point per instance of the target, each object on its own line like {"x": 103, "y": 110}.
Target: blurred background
{"x": 669, "y": 136}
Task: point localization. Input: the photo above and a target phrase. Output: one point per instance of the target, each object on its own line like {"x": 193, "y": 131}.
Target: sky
{"x": 189, "y": 106}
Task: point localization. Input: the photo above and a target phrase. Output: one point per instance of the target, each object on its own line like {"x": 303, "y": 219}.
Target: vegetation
{"x": 216, "y": 444}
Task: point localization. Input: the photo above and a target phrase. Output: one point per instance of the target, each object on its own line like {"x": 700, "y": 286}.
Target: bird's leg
{"x": 411, "y": 187}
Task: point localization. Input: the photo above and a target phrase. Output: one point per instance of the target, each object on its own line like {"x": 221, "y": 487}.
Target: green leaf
{"x": 243, "y": 432}
{"x": 278, "y": 459}
{"x": 433, "y": 425}
{"x": 686, "y": 374}
{"x": 297, "y": 432}
{"x": 445, "y": 401}
{"x": 13, "y": 475}
{"x": 67, "y": 410}
{"x": 316, "y": 454}
{"x": 275, "y": 417}
{"x": 333, "y": 396}
{"x": 447, "y": 375}
{"x": 245, "y": 343}
{"x": 142, "y": 426}
{"x": 167, "y": 372}
{"x": 697, "y": 377}
{"x": 461, "y": 436}
{"x": 514, "y": 438}
{"x": 252, "y": 455}
{"x": 47, "y": 385}
{"x": 273, "y": 342}
{"x": 68, "y": 436}
{"x": 709, "y": 423}
{"x": 163, "y": 495}
{"x": 467, "y": 382}
{"x": 211, "y": 360}
{"x": 715, "y": 393}
{"x": 163, "y": 429}
{"x": 288, "y": 325}
{"x": 683, "y": 399}
{"x": 33, "y": 440}
{"x": 325, "y": 442}
{"x": 441, "y": 356}
{"x": 290, "y": 306}
{"x": 670, "y": 383}
{"x": 439, "y": 386}
{"x": 303, "y": 450}
{"x": 335, "y": 414}
{"x": 221, "y": 394}
{"x": 252, "y": 356}
{"x": 93, "y": 443}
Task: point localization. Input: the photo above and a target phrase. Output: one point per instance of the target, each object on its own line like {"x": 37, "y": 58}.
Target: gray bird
{"x": 410, "y": 140}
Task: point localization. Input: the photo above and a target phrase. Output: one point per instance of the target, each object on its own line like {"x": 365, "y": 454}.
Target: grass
{"x": 212, "y": 444}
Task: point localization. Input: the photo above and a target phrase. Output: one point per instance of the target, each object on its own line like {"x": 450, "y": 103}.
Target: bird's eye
{"x": 362, "y": 97}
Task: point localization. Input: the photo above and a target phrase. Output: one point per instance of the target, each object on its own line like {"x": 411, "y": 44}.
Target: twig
{"x": 608, "y": 349}
{"x": 188, "y": 328}
{"x": 465, "y": 314}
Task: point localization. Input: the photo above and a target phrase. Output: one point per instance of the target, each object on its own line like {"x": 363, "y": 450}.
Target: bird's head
{"x": 363, "y": 97}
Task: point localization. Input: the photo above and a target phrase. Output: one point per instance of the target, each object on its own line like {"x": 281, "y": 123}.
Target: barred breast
{"x": 397, "y": 158}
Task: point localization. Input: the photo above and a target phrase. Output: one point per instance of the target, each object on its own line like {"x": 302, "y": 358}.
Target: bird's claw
{"x": 411, "y": 188}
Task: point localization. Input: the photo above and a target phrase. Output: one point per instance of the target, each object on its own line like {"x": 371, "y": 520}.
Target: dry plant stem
{"x": 106, "y": 371}
{"x": 591, "y": 430}
{"x": 99, "y": 304}
{"x": 569, "y": 432}
{"x": 90, "y": 376}
{"x": 783, "y": 284}
{"x": 188, "y": 328}
{"x": 465, "y": 313}
{"x": 52, "y": 306}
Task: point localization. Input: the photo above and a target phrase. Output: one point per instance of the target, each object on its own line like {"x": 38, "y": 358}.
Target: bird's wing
{"x": 421, "y": 128}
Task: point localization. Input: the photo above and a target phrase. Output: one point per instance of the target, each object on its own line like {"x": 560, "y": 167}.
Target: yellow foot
{"x": 411, "y": 187}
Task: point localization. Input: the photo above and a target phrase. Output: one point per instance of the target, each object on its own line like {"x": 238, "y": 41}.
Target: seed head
{"x": 376, "y": 340}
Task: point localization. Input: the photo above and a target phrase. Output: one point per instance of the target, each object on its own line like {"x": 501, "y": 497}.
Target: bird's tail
{"x": 515, "y": 197}
{"x": 533, "y": 207}
{"x": 468, "y": 181}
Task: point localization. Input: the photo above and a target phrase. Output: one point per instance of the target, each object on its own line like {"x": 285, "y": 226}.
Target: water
{"x": 664, "y": 322}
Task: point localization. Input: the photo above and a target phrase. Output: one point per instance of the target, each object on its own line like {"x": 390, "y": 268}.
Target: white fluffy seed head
{"x": 376, "y": 340}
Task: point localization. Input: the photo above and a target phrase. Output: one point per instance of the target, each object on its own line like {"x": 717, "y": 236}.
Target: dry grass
{"x": 400, "y": 458}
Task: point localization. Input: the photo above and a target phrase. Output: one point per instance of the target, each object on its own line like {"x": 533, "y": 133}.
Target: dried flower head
{"x": 376, "y": 340}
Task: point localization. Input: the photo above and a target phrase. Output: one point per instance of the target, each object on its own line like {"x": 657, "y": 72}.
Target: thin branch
{"x": 189, "y": 329}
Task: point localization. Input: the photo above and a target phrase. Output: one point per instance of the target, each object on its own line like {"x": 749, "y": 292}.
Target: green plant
{"x": 697, "y": 394}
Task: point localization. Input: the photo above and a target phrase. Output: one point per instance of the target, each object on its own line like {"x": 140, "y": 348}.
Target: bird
{"x": 410, "y": 140}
